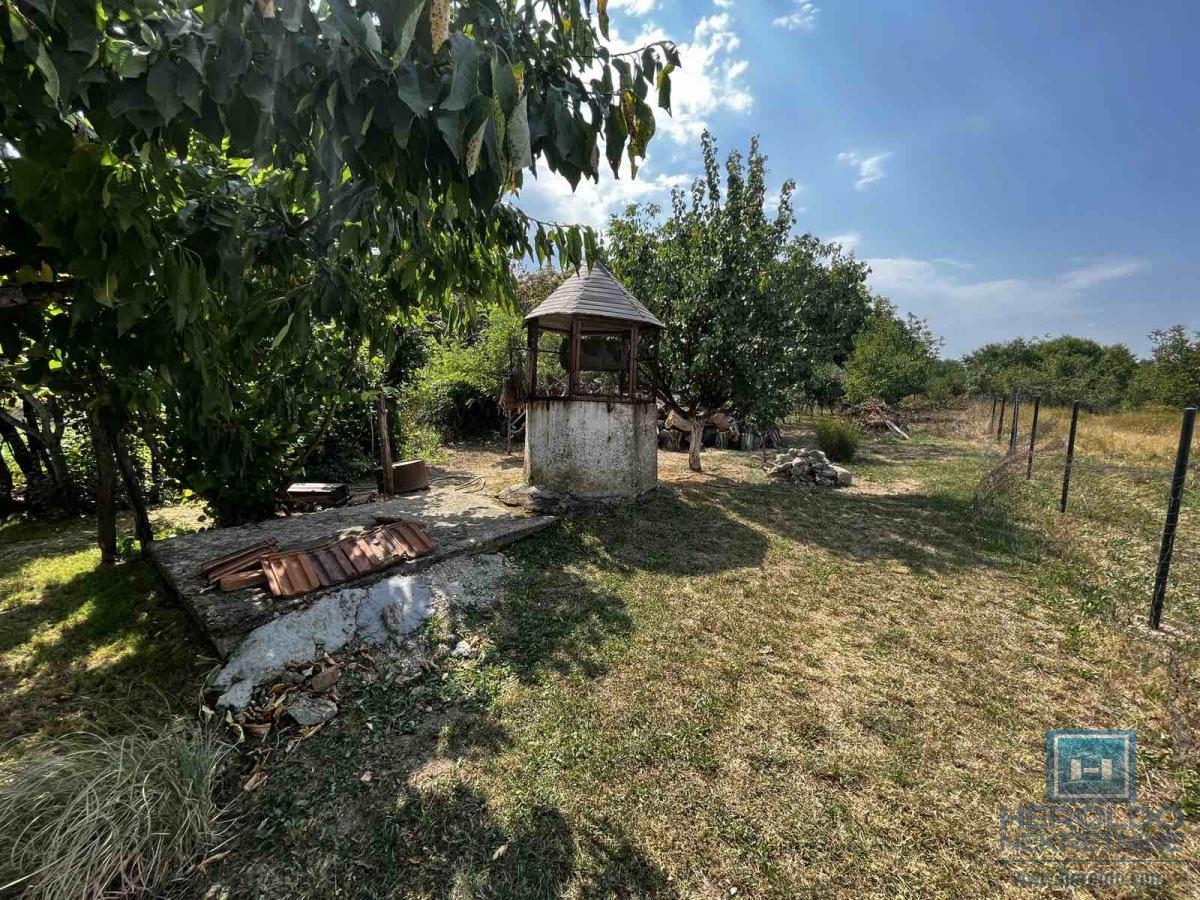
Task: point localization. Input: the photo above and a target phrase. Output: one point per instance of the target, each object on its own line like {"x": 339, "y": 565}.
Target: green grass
{"x": 80, "y": 641}
{"x": 738, "y": 686}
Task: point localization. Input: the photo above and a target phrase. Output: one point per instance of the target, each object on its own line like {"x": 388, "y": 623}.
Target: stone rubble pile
{"x": 810, "y": 467}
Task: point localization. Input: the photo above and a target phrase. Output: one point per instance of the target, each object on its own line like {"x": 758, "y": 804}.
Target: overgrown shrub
{"x": 838, "y": 439}
{"x": 456, "y": 392}
{"x": 90, "y": 815}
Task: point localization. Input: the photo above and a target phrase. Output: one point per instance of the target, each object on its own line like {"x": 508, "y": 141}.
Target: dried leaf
{"x": 255, "y": 781}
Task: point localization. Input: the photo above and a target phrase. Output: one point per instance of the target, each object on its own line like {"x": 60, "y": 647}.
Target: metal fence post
{"x": 1037, "y": 405}
{"x": 1168, "y": 538}
{"x": 1062, "y": 506}
{"x": 1000, "y": 427}
{"x": 1016, "y": 410}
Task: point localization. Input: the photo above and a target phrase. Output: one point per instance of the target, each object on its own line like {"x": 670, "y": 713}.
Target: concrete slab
{"x": 387, "y": 611}
{"x": 457, "y": 521}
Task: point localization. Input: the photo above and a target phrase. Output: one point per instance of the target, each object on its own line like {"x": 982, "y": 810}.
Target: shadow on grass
{"x": 706, "y": 527}
{"x": 83, "y": 634}
{"x": 422, "y": 823}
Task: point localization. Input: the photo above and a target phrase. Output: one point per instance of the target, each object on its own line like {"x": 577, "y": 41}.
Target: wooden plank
{"x": 237, "y": 560}
{"x": 240, "y": 580}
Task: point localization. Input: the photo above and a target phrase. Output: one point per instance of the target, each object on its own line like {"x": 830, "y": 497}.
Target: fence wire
{"x": 1118, "y": 508}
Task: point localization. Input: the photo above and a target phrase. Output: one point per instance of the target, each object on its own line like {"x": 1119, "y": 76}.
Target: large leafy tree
{"x": 1059, "y": 370}
{"x": 749, "y": 310}
{"x": 893, "y": 357}
{"x": 1173, "y": 376}
{"x": 703, "y": 273}
{"x": 192, "y": 194}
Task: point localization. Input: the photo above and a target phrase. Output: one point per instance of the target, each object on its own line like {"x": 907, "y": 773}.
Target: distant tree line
{"x": 1064, "y": 369}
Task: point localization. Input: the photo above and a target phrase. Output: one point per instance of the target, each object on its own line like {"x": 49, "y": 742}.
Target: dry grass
{"x": 747, "y": 687}
{"x": 735, "y": 687}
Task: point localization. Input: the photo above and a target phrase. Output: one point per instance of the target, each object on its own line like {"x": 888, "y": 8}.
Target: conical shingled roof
{"x": 594, "y": 293}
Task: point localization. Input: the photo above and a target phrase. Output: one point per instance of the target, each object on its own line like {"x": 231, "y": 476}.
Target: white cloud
{"x": 972, "y": 312}
{"x": 633, "y": 7}
{"x": 802, "y": 17}
{"x": 849, "y": 241}
{"x": 1105, "y": 270}
{"x": 723, "y": 4}
{"x": 870, "y": 168}
{"x": 710, "y": 80}
{"x": 591, "y": 203}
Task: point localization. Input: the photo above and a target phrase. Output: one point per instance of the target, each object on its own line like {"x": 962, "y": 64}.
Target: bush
{"x": 90, "y": 815}
{"x": 838, "y": 439}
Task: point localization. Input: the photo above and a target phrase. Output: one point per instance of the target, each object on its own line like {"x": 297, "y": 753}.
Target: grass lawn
{"x": 739, "y": 688}
{"x": 85, "y": 644}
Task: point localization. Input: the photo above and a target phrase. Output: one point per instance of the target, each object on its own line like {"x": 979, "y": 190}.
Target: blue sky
{"x": 1007, "y": 168}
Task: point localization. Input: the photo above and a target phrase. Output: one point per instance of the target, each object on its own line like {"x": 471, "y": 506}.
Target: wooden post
{"x": 385, "y": 445}
{"x": 573, "y": 359}
{"x": 1173, "y": 503}
{"x": 1037, "y": 405}
{"x": 633, "y": 352}
{"x": 533, "y": 359}
{"x": 1016, "y": 409}
{"x": 1000, "y": 427}
{"x": 106, "y": 489}
{"x": 1062, "y": 504}
{"x": 992, "y": 420}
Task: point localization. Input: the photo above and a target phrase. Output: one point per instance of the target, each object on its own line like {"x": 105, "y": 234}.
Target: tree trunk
{"x": 106, "y": 490}
{"x": 696, "y": 423}
{"x": 24, "y": 458}
{"x": 46, "y": 443}
{"x": 133, "y": 491}
{"x": 7, "y": 504}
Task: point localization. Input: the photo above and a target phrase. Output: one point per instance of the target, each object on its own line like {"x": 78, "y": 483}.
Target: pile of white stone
{"x": 809, "y": 467}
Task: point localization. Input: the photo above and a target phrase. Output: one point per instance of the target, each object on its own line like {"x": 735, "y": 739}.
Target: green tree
{"x": 892, "y": 357}
{"x": 703, "y": 272}
{"x": 1173, "y": 376}
{"x": 207, "y": 211}
{"x": 1059, "y": 370}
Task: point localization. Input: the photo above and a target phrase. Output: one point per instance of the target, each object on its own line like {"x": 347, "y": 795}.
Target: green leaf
{"x": 519, "y": 153}
{"x": 664, "y": 87}
{"x": 408, "y": 14}
{"x": 278, "y": 339}
{"x": 416, "y": 88}
{"x": 504, "y": 85}
{"x": 602, "y": 10}
{"x": 49, "y": 73}
{"x": 465, "y": 85}
{"x": 615, "y": 134}
{"x": 161, "y": 86}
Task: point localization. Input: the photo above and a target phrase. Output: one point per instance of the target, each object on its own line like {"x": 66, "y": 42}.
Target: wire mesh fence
{"x": 1127, "y": 491}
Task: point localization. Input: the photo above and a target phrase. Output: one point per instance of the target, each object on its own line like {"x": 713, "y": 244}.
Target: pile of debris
{"x": 296, "y": 572}
{"x": 876, "y": 417}
{"x": 721, "y": 430}
{"x": 809, "y": 467}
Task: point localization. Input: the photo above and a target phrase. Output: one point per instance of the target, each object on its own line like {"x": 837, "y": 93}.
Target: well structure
{"x": 591, "y": 426}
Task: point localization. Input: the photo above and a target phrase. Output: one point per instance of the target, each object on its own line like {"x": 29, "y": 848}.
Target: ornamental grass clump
{"x": 838, "y": 439}
{"x": 90, "y": 815}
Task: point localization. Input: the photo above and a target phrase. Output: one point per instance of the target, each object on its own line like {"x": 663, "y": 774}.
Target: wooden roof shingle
{"x": 594, "y": 293}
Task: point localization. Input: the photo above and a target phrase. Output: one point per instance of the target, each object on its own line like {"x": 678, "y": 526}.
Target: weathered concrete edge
{"x": 225, "y": 646}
